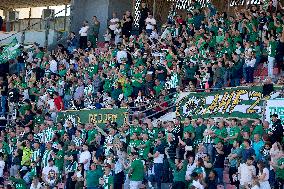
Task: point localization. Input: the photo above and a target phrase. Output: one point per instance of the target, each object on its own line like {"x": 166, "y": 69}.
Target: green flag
{"x": 10, "y": 51}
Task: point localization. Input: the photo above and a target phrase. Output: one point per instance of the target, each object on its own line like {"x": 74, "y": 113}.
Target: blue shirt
{"x": 257, "y": 146}
{"x": 246, "y": 153}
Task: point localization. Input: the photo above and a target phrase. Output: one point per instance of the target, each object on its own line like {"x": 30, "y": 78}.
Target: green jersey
{"x": 279, "y": 171}
{"x": 91, "y": 136}
{"x": 143, "y": 152}
{"x": 220, "y": 134}
{"x": 135, "y": 129}
{"x": 45, "y": 157}
{"x": 233, "y": 131}
{"x": 36, "y": 155}
{"x": 108, "y": 181}
{"x": 271, "y": 49}
{"x": 71, "y": 167}
{"x": 93, "y": 177}
{"x": 59, "y": 162}
{"x": 179, "y": 175}
{"x": 257, "y": 130}
{"x": 138, "y": 170}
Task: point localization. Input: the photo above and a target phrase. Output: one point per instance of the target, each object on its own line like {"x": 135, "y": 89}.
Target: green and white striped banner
{"x": 239, "y": 102}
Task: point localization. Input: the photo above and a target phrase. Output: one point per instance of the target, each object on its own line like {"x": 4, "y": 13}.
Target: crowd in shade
{"x": 204, "y": 50}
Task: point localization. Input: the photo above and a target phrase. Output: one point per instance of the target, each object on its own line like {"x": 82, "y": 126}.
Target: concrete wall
{"x": 30, "y": 37}
{"x": 119, "y": 6}
{"x": 86, "y": 9}
{"x": 38, "y": 24}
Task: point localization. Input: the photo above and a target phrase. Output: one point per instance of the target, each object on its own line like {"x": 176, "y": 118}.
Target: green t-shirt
{"x": 138, "y": 170}
{"x": 107, "y": 85}
{"x": 115, "y": 93}
{"x": 91, "y": 135}
{"x": 93, "y": 177}
{"x": 93, "y": 69}
{"x": 135, "y": 129}
{"x": 233, "y": 131}
{"x": 199, "y": 130}
{"x": 272, "y": 48}
{"x": 60, "y": 161}
{"x": 189, "y": 128}
{"x": 136, "y": 77}
{"x": 134, "y": 143}
{"x": 257, "y": 130}
{"x": 18, "y": 183}
{"x": 62, "y": 72}
{"x": 127, "y": 90}
{"x": 143, "y": 152}
{"x": 280, "y": 172}
{"x": 220, "y": 133}
{"x": 39, "y": 119}
{"x": 179, "y": 175}
{"x": 158, "y": 89}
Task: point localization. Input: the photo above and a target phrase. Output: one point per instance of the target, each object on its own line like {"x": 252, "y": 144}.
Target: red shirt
{"x": 58, "y": 101}
{"x": 164, "y": 105}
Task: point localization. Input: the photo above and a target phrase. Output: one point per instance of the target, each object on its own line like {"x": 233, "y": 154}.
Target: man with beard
{"x": 276, "y": 133}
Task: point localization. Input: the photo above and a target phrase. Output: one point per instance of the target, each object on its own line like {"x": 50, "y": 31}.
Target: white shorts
{"x": 135, "y": 184}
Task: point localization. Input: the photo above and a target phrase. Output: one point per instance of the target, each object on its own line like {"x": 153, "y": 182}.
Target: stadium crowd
{"x": 206, "y": 50}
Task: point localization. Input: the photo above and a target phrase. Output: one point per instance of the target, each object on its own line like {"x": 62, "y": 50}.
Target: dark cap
{"x": 274, "y": 115}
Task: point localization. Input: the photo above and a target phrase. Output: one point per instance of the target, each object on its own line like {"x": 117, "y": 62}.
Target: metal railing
{"x": 45, "y": 22}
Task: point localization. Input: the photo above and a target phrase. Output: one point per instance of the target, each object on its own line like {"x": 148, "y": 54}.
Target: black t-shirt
{"x": 28, "y": 118}
{"x": 219, "y": 160}
{"x": 143, "y": 15}
{"x": 22, "y": 57}
{"x": 38, "y": 72}
{"x": 128, "y": 25}
{"x": 13, "y": 95}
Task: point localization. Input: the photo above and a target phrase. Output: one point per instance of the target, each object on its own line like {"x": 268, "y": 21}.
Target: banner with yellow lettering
{"x": 96, "y": 116}
{"x": 239, "y": 102}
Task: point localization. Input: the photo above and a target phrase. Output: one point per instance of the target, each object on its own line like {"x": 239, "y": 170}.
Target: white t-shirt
{"x": 2, "y": 165}
{"x": 189, "y": 170}
{"x": 121, "y": 55}
{"x": 38, "y": 186}
{"x": 86, "y": 155}
{"x": 114, "y": 25}
{"x": 159, "y": 159}
{"x": 53, "y": 66}
{"x": 51, "y": 104}
{"x": 246, "y": 173}
{"x": 150, "y": 23}
{"x": 266, "y": 172}
{"x": 197, "y": 184}
{"x": 84, "y": 31}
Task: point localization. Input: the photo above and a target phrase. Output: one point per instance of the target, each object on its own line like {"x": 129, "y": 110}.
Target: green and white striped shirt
{"x": 36, "y": 154}
{"x": 48, "y": 135}
{"x": 78, "y": 141}
{"x": 208, "y": 139}
{"x": 46, "y": 156}
{"x": 72, "y": 167}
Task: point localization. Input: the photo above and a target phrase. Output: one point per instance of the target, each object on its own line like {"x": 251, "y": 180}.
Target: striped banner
{"x": 239, "y": 102}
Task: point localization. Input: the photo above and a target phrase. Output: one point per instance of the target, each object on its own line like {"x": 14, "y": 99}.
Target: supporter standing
{"x": 84, "y": 35}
